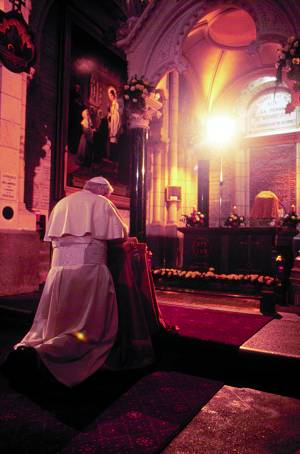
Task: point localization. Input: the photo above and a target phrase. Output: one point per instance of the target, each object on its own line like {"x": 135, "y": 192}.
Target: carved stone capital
{"x": 142, "y": 118}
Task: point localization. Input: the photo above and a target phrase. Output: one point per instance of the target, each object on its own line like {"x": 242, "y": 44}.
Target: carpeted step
{"x": 238, "y": 347}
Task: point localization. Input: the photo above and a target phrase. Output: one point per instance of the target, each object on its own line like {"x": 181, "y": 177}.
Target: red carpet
{"x": 142, "y": 421}
{"x": 214, "y": 325}
{"x": 148, "y": 416}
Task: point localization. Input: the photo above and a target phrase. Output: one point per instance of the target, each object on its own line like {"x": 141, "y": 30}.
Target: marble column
{"x": 203, "y": 186}
{"x": 242, "y": 182}
{"x": 139, "y": 126}
{"x": 173, "y": 147}
{"x": 138, "y": 138}
{"x": 157, "y": 149}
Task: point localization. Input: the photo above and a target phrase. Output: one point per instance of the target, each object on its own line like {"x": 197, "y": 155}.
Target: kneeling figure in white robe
{"x": 76, "y": 322}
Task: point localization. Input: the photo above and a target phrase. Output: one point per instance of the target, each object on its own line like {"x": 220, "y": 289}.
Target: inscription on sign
{"x": 200, "y": 247}
{"x": 267, "y": 113}
{"x": 8, "y": 186}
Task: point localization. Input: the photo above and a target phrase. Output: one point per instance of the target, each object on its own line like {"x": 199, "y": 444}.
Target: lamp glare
{"x": 219, "y": 130}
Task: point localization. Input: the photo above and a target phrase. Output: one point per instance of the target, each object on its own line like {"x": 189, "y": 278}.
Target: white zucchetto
{"x": 98, "y": 185}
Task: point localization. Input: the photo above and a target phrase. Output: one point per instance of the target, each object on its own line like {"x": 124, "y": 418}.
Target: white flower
{"x": 134, "y": 100}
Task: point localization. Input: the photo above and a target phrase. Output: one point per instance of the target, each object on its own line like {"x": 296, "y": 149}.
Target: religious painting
{"x": 97, "y": 139}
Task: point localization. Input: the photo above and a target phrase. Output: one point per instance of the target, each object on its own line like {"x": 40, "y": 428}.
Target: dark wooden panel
{"x": 201, "y": 249}
{"x": 250, "y": 252}
{"x": 240, "y": 250}
{"x": 164, "y": 251}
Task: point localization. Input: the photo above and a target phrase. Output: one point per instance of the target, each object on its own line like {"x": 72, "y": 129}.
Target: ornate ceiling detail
{"x": 272, "y": 24}
{"x": 159, "y": 33}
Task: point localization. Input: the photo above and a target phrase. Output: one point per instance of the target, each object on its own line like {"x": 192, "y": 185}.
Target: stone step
{"x": 213, "y": 300}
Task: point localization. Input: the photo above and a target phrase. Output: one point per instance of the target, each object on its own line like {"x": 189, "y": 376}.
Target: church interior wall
{"x": 42, "y": 118}
{"x": 274, "y": 168}
{"x": 241, "y": 195}
{"x": 19, "y": 241}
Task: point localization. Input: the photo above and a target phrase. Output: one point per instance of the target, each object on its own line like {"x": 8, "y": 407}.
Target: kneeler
{"x": 140, "y": 319}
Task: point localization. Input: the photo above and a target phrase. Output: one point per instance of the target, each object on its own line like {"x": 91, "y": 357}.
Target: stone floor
{"x": 242, "y": 421}
{"x": 245, "y": 420}
{"x": 238, "y": 303}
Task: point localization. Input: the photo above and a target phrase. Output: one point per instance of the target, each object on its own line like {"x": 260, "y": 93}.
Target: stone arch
{"x": 163, "y": 51}
{"x": 37, "y": 20}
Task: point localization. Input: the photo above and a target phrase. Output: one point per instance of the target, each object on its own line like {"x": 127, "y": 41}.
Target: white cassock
{"x": 76, "y": 322}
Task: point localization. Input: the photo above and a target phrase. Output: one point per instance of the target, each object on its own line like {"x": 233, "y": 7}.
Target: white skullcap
{"x": 98, "y": 181}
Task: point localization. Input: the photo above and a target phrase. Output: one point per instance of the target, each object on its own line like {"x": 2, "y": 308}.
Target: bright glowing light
{"x": 219, "y": 130}
{"x": 80, "y": 336}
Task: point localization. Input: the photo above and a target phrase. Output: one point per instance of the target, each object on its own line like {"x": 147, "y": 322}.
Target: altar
{"x": 230, "y": 250}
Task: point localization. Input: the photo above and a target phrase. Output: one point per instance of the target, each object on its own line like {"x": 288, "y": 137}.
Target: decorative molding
{"x": 129, "y": 30}
{"x": 268, "y": 23}
{"x": 272, "y": 139}
{"x": 17, "y": 47}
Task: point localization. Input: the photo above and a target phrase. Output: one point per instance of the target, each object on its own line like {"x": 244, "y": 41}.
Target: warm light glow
{"x": 220, "y": 130}
{"x": 85, "y": 65}
{"x": 80, "y": 336}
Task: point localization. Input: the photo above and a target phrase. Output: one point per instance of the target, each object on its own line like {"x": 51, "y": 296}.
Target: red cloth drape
{"x": 266, "y": 205}
{"x": 139, "y": 315}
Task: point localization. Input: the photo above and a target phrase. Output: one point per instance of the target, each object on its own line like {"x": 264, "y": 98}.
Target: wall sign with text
{"x": 267, "y": 114}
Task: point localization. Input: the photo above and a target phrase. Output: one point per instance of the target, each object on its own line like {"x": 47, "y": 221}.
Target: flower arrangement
{"x": 135, "y": 91}
{"x": 185, "y": 276}
{"x": 291, "y": 219}
{"x": 234, "y": 219}
{"x": 195, "y": 219}
{"x": 289, "y": 58}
